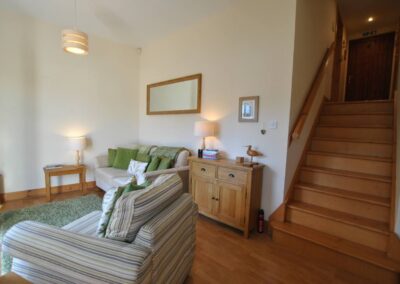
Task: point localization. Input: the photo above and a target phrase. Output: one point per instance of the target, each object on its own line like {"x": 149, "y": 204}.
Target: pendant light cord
{"x": 76, "y": 15}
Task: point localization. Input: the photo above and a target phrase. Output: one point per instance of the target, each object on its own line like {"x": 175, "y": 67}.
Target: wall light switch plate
{"x": 273, "y": 124}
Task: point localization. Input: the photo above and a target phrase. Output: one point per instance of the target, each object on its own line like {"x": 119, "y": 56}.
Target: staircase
{"x": 339, "y": 208}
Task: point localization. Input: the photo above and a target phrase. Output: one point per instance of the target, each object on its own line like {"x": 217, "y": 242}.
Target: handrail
{"x": 301, "y": 119}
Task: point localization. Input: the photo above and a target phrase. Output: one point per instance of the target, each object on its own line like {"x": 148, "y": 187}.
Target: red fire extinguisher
{"x": 260, "y": 228}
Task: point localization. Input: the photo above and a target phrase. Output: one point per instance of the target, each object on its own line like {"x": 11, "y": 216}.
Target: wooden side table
{"x": 65, "y": 170}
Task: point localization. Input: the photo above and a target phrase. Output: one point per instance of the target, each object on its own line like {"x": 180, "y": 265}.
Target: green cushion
{"x": 155, "y": 161}
{"x": 112, "y": 153}
{"x": 132, "y": 187}
{"x": 141, "y": 157}
{"x": 165, "y": 163}
{"x": 123, "y": 158}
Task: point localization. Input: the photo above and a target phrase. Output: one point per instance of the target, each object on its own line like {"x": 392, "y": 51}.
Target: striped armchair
{"x": 162, "y": 251}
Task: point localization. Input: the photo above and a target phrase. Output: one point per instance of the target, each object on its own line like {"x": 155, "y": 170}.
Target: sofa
{"x": 108, "y": 177}
{"x": 162, "y": 250}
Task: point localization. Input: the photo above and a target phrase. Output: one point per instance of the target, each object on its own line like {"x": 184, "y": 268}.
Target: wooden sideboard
{"x": 226, "y": 191}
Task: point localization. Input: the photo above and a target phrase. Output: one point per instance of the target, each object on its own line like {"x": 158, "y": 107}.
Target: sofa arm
{"x": 101, "y": 161}
{"x": 69, "y": 256}
{"x": 183, "y": 173}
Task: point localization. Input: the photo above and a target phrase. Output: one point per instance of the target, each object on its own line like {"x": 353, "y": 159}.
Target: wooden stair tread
{"x": 365, "y": 223}
{"x": 346, "y": 247}
{"x": 351, "y": 156}
{"x": 345, "y": 194}
{"x": 355, "y": 126}
{"x": 347, "y": 140}
{"x": 348, "y": 174}
{"x": 357, "y": 113}
{"x": 360, "y": 102}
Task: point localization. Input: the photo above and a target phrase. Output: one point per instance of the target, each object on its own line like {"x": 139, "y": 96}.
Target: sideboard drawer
{"x": 204, "y": 170}
{"x": 231, "y": 175}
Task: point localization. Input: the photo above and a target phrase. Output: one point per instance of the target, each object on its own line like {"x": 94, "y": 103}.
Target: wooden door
{"x": 202, "y": 192}
{"x": 230, "y": 205}
{"x": 370, "y": 68}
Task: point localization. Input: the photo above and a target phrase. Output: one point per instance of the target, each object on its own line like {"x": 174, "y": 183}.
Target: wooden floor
{"x": 224, "y": 256}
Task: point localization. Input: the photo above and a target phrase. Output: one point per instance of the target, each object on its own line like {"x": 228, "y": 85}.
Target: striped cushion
{"x": 136, "y": 208}
{"x": 85, "y": 225}
{"x": 52, "y": 255}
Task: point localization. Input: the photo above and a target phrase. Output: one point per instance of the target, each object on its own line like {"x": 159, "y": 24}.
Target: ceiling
{"x": 356, "y": 12}
{"x": 134, "y": 22}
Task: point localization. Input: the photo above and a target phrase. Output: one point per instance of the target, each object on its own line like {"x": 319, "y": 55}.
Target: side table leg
{"x": 82, "y": 181}
{"x": 48, "y": 186}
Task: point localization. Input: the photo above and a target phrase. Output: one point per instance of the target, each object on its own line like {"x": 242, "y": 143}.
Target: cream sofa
{"x": 108, "y": 177}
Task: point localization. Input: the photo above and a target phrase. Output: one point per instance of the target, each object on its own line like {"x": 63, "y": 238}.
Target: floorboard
{"x": 224, "y": 256}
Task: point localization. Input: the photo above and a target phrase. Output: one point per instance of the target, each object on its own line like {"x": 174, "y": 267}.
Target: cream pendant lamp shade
{"x": 74, "y": 41}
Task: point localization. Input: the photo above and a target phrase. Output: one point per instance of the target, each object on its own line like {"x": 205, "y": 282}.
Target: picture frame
{"x": 248, "y": 109}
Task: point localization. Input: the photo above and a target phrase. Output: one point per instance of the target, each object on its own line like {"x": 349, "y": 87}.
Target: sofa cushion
{"x": 112, "y": 153}
{"x": 165, "y": 164}
{"x": 155, "y": 161}
{"x": 141, "y": 157}
{"x": 137, "y": 170}
{"x": 123, "y": 157}
{"x": 109, "y": 200}
{"x": 134, "y": 209}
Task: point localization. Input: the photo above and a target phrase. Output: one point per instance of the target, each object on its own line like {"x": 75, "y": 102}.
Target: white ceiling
{"x": 135, "y": 22}
{"x": 356, "y": 12}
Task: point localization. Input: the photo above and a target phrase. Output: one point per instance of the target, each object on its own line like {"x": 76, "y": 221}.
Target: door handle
{"x": 203, "y": 169}
{"x": 231, "y": 175}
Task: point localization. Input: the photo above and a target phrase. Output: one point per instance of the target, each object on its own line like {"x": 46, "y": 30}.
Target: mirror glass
{"x": 182, "y": 95}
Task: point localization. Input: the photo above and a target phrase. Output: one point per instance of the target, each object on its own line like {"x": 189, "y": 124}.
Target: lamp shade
{"x": 76, "y": 42}
{"x": 77, "y": 143}
{"x": 204, "y": 128}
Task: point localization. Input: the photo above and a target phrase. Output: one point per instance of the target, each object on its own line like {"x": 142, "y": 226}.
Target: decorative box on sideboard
{"x": 226, "y": 191}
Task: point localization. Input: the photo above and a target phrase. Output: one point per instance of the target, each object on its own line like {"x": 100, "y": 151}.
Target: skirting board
{"x": 40, "y": 192}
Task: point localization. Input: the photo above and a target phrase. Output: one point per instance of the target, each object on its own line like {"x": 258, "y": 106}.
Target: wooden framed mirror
{"x": 177, "y": 96}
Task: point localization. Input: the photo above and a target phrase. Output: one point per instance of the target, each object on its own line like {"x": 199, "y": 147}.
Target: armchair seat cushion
{"x": 86, "y": 225}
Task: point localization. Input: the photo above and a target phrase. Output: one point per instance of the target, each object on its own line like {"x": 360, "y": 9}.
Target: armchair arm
{"x": 69, "y": 256}
{"x": 101, "y": 161}
{"x": 182, "y": 171}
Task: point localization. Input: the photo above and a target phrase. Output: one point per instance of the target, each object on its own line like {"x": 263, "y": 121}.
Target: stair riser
{"x": 348, "y": 232}
{"x": 311, "y": 250}
{"x": 375, "y": 188}
{"x": 348, "y": 164}
{"x": 369, "y": 134}
{"x": 351, "y": 206}
{"x": 357, "y": 120}
{"x": 353, "y": 148}
{"x": 361, "y": 108}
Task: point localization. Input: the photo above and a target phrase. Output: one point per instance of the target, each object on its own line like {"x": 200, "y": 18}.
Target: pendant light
{"x": 75, "y": 41}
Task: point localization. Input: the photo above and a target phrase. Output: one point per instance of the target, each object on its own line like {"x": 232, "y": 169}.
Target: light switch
{"x": 273, "y": 124}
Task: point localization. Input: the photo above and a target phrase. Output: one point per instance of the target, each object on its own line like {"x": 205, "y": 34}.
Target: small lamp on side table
{"x": 204, "y": 129}
{"x": 77, "y": 144}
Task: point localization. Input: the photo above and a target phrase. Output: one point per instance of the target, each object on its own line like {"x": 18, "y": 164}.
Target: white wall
{"x": 47, "y": 94}
{"x": 245, "y": 51}
{"x": 315, "y": 32}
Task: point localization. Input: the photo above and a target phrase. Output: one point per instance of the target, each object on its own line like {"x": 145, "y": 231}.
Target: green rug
{"x": 58, "y": 213}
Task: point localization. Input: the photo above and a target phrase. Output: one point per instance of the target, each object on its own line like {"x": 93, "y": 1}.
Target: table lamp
{"x": 77, "y": 144}
{"x": 203, "y": 129}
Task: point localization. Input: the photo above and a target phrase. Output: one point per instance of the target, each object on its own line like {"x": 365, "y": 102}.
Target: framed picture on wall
{"x": 248, "y": 109}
